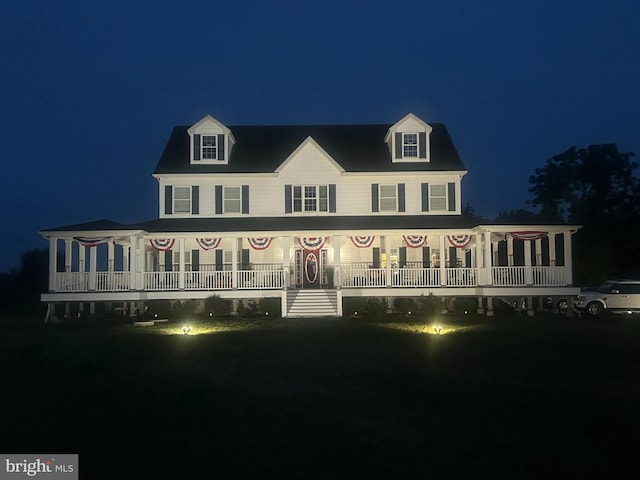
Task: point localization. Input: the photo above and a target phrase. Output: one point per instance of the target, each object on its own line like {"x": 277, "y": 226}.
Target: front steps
{"x": 312, "y": 303}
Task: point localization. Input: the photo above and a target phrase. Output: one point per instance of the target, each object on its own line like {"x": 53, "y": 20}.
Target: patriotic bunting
{"x": 208, "y": 243}
{"x": 414, "y": 241}
{"x": 312, "y": 243}
{"x": 91, "y": 241}
{"x": 363, "y": 242}
{"x": 528, "y": 235}
{"x": 162, "y": 244}
{"x": 259, "y": 243}
{"x": 459, "y": 241}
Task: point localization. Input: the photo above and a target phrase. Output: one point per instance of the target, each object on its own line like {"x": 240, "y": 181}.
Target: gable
{"x": 210, "y": 142}
{"x": 309, "y": 163}
{"x": 409, "y": 140}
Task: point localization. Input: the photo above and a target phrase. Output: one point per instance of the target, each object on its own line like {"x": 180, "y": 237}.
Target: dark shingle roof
{"x": 357, "y": 148}
{"x": 94, "y": 226}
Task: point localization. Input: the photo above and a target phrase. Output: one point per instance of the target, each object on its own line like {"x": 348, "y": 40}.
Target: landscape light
{"x": 437, "y": 329}
{"x": 186, "y": 329}
{"x": 267, "y": 314}
{"x": 155, "y": 315}
{"x": 211, "y": 314}
{"x": 409, "y": 312}
{"x": 355, "y": 314}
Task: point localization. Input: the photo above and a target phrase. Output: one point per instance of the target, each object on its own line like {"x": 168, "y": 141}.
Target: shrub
{"x": 216, "y": 305}
{"x": 271, "y": 306}
{"x": 430, "y": 305}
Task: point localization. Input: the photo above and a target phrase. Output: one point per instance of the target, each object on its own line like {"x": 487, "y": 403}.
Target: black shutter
{"x": 401, "y": 207}
{"x": 426, "y": 257}
{"x": 219, "y": 260}
{"x": 195, "y": 260}
{"x": 245, "y": 198}
{"x": 168, "y": 199}
{"x": 376, "y": 257}
{"x": 218, "y": 199}
{"x": 168, "y": 261}
{"x": 220, "y": 149}
{"x": 245, "y": 259}
{"x": 399, "y": 148}
{"x": 402, "y": 257}
{"x": 287, "y": 199}
{"x": 374, "y": 197}
{"x": 196, "y": 147}
{"x": 452, "y": 197}
{"x": 195, "y": 199}
{"x": 422, "y": 144}
{"x": 453, "y": 257}
{"x": 424, "y": 194}
{"x": 332, "y": 197}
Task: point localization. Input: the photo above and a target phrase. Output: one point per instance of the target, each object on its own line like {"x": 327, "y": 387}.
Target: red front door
{"x": 311, "y": 269}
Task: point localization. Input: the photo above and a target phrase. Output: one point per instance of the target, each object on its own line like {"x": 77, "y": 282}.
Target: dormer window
{"x": 210, "y": 142}
{"x": 410, "y": 145}
{"x": 209, "y": 151}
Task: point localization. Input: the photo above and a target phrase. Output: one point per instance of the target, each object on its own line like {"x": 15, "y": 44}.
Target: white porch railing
{"x": 357, "y": 276}
{"x": 548, "y": 276}
{"x": 155, "y": 281}
{"x": 461, "y": 277}
{"x": 72, "y": 282}
{"x": 259, "y": 279}
{"x": 415, "y": 277}
{"x": 208, "y": 280}
{"x": 508, "y": 276}
{"x": 112, "y": 281}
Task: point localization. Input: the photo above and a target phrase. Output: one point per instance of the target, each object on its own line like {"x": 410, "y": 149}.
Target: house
{"x": 310, "y": 215}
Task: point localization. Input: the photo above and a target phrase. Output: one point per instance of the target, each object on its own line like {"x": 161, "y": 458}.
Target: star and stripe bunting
{"x": 414, "y": 241}
{"x": 459, "y": 241}
{"x": 91, "y": 241}
{"x": 312, "y": 243}
{"x": 208, "y": 243}
{"x": 162, "y": 244}
{"x": 259, "y": 243}
{"x": 363, "y": 241}
{"x": 528, "y": 236}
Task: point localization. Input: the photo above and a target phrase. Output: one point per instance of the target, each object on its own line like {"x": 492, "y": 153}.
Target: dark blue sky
{"x": 89, "y": 90}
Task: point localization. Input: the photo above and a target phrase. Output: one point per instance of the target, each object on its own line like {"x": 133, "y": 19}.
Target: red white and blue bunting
{"x": 162, "y": 244}
{"x": 208, "y": 243}
{"x": 528, "y": 235}
{"x": 414, "y": 241}
{"x": 259, "y": 243}
{"x": 363, "y": 241}
{"x": 459, "y": 241}
{"x": 91, "y": 241}
{"x": 312, "y": 243}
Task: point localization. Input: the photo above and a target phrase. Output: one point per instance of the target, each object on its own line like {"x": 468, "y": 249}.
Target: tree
{"x": 594, "y": 187}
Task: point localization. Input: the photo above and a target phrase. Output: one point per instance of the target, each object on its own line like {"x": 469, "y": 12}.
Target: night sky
{"x": 89, "y": 90}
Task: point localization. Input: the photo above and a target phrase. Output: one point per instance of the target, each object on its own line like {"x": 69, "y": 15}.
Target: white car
{"x": 617, "y": 296}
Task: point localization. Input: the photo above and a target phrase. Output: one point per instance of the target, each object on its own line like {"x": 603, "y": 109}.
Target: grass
{"x": 502, "y": 397}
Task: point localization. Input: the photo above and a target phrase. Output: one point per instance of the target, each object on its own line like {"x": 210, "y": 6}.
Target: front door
{"x": 311, "y": 269}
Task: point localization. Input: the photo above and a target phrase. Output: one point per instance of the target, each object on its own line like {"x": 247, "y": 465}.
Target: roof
{"x": 357, "y": 148}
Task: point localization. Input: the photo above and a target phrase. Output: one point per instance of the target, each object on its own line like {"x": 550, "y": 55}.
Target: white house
{"x": 311, "y": 215}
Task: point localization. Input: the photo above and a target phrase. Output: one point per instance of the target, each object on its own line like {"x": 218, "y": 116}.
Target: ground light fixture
{"x": 437, "y": 329}
{"x": 186, "y": 329}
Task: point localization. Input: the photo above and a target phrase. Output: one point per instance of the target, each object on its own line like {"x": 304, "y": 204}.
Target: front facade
{"x": 310, "y": 215}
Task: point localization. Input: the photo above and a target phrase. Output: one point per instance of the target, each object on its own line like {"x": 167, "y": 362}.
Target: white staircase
{"x": 312, "y": 303}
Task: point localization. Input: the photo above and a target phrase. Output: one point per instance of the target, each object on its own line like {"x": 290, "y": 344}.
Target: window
{"x": 388, "y": 198}
{"x": 310, "y": 198}
{"x": 232, "y": 202}
{"x": 182, "y": 200}
{"x": 209, "y": 147}
{"x": 410, "y": 145}
{"x": 438, "y": 197}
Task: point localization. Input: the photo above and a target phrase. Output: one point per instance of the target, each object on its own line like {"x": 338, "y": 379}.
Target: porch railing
{"x": 112, "y": 281}
{"x": 548, "y": 276}
{"x": 415, "y": 277}
{"x": 508, "y": 276}
{"x": 259, "y": 279}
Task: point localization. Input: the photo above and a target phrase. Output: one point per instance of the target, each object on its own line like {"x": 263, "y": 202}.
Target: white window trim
{"x": 433, "y": 197}
{"x": 395, "y": 197}
{"x": 303, "y": 197}
{"x": 406, "y": 145}
{"x": 224, "y": 199}
{"x": 175, "y": 199}
{"x": 214, "y": 146}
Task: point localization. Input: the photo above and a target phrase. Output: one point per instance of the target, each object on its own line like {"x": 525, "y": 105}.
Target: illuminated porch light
{"x": 437, "y": 329}
{"x": 186, "y": 329}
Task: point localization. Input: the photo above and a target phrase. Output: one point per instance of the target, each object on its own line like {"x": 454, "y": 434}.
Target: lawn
{"x": 502, "y": 397}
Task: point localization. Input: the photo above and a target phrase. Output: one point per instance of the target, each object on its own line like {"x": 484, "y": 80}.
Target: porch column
{"x": 487, "y": 258}
{"x": 93, "y": 266}
{"x": 552, "y": 249}
{"x": 67, "y": 255}
{"x": 568, "y": 259}
{"x": 111, "y": 254}
{"x": 385, "y": 244}
{"x": 53, "y": 262}
{"x": 82, "y": 252}
{"x": 181, "y": 267}
{"x": 538, "y": 245}
{"x": 133, "y": 254}
{"x": 286, "y": 261}
{"x": 443, "y": 261}
{"x": 528, "y": 273}
{"x": 234, "y": 262}
{"x": 335, "y": 243}
{"x": 510, "y": 251}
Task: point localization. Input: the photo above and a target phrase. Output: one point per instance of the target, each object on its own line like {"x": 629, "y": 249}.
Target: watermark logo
{"x": 50, "y": 467}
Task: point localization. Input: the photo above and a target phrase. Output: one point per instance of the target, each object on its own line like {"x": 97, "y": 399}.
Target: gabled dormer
{"x": 408, "y": 140}
{"x": 210, "y": 142}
